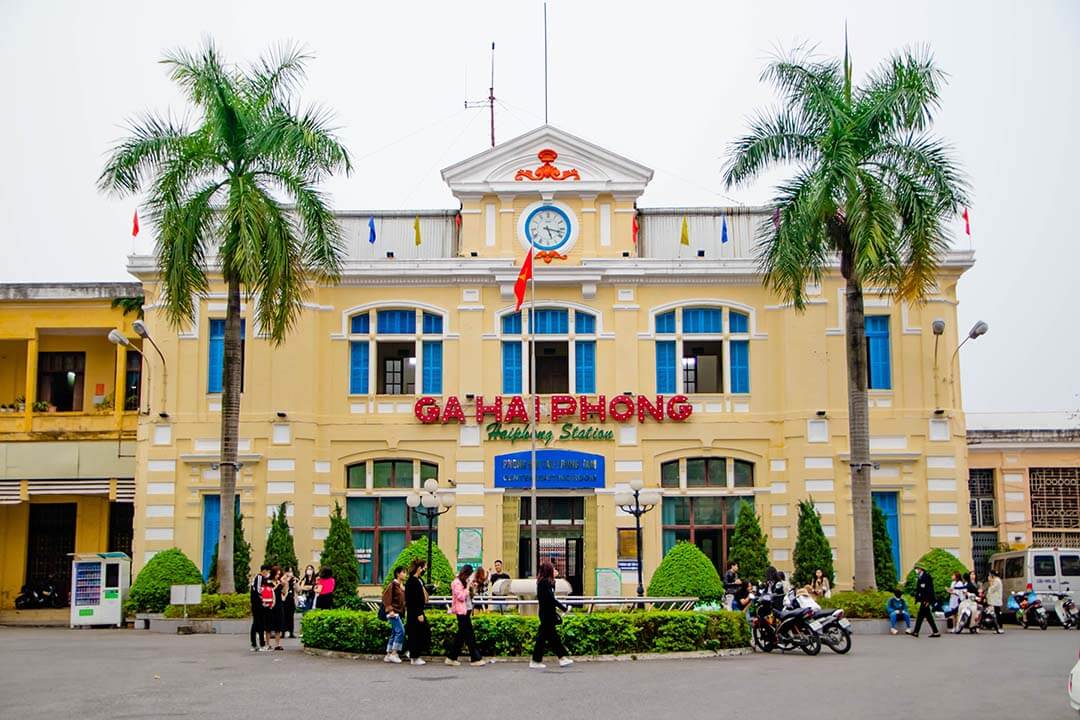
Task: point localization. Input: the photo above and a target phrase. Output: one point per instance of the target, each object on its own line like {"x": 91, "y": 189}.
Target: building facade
{"x": 67, "y": 450}
{"x": 659, "y": 356}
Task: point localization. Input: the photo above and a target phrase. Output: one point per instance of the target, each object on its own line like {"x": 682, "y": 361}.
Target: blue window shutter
{"x": 584, "y": 323}
{"x": 360, "y": 324}
{"x": 666, "y": 323}
{"x": 585, "y": 359}
{"x": 396, "y": 322}
{"x": 432, "y": 324}
{"x": 551, "y": 321}
{"x": 511, "y": 352}
{"x": 702, "y": 320}
{"x": 432, "y": 367}
{"x": 665, "y": 367}
{"x": 738, "y": 322}
{"x": 511, "y": 324}
{"x": 216, "y": 364}
{"x": 358, "y": 367}
{"x": 877, "y": 352}
{"x": 740, "y": 366}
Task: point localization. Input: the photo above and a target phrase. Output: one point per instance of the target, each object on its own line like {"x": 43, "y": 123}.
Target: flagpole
{"x": 533, "y": 561}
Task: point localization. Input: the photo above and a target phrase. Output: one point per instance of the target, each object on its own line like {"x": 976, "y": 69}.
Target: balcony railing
{"x": 395, "y": 232}
{"x": 69, "y": 423}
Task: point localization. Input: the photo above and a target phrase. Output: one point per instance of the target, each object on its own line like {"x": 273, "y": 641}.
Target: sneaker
{"x": 453, "y": 663}
{"x": 418, "y": 661}
{"x": 279, "y": 648}
{"x": 254, "y": 649}
{"x": 478, "y": 663}
{"x": 935, "y": 634}
{"x": 892, "y": 631}
{"x": 999, "y": 632}
{"x": 536, "y": 665}
{"x": 564, "y": 662}
{"x": 264, "y": 648}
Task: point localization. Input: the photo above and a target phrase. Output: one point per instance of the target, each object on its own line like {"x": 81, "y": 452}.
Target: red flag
{"x": 523, "y": 277}
{"x": 135, "y": 224}
{"x": 636, "y": 228}
{"x": 457, "y": 221}
{"x": 967, "y": 221}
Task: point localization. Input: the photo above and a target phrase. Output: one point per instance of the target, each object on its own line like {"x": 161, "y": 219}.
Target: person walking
{"x": 324, "y": 590}
{"x": 258, "y": 629}
{"x": 274, "y": 605}
{"x": 461, "y": 605}
{"x": 393, "y": 601}
{"x": 994, "y": 598}
{"x": 898, "y": 610}
{"x": 288, "y": 603}
{"x": 924, "y": 596}
{"x": 417, "y": 630}
{"x": 548, "y": 605}
{"x": 957, "y": 591}
{"x": 820, "y": 585}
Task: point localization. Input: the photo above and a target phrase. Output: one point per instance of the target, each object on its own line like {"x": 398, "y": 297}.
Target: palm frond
{"x": 306, "y": 141}
{"x": 153, "y": 140}
{"x": 780, "y": 137}
{"x": 278, "y": 74}
{"x": 901, "y": 95}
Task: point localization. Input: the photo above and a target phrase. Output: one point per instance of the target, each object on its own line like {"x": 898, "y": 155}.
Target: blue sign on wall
{"x": 555, "y": 470}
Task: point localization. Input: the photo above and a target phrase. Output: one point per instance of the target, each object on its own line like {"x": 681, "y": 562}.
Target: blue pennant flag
{"x": 723, "y": 231}
{"x": 371, "y": 230}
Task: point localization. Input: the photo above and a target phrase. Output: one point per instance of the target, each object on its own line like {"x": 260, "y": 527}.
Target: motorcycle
{"x": 774, "y": 626}
{"x": 40, "y": 595}
{"x": 835, "y": 628}
{"x": 966, "y": 616}
{"x": 986, "y": 615}
{"x": 1028, "y": 608}
{"x": 1066, "y": 610}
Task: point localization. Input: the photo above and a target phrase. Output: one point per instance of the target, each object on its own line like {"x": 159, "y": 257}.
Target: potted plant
{"x": 20, "y": 403}
{"x": 40, "y": 406}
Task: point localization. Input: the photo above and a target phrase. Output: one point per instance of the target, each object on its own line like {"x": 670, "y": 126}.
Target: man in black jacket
{"x": 924, "y": 596}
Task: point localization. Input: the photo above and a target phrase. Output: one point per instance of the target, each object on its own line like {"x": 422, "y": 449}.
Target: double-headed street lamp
{"x": 637, "y": 502}
{"x": 430, "y": 503}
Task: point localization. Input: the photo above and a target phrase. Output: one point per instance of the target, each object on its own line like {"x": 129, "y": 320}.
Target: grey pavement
{"x": 87, "y": 674}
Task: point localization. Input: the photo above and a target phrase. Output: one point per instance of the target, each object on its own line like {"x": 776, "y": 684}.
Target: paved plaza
{"x": 89, "y": 674}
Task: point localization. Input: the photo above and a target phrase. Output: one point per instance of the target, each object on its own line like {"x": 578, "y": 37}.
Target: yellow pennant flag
{"x": 684, "y": 237}
{"x": 416, "y": 229}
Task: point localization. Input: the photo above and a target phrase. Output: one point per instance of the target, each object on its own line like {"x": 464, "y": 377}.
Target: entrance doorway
{"x": 560, "y": 537}
{"x": 888, "y": 503}
{"x": 50, "y": 541}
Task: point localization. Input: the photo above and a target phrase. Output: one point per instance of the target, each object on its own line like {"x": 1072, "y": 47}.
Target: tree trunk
{"x": 230, "y": 430}
{"x": 858, "y": 424}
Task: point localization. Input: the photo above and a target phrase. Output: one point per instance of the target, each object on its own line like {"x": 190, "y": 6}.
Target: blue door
{"x": 889, "y": 505}
{"x": 211, "y": 524}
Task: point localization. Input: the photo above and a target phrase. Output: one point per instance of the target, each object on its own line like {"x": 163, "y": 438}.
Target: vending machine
{"x": 99, "y": 587}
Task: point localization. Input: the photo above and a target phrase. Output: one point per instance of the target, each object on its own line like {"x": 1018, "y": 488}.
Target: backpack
{"x": 267, "y": 596}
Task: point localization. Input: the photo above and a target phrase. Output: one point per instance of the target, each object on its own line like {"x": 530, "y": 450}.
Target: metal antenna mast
{"x": 545, "y": 67}
{"x": 490, "y": 101}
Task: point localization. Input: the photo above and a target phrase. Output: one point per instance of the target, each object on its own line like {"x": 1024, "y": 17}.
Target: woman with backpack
{"x": 461, "y": 605}
{"x": 548, "y": 634}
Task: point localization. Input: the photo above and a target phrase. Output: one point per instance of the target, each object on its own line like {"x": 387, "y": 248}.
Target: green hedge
{"x": 863, "y": 604}
{"x": 215, "y": 606}
{"x": 150, "y": 591}
{"x": 497, "y": 634}
{"x": 685, "y": 571}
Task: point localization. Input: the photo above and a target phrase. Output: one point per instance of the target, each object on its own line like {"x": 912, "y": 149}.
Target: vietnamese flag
{"x": 135, "y": 224}
{"x": 523, "y": 277}
{"x": 635, "y": 227}
{"x": 967, "y": 221}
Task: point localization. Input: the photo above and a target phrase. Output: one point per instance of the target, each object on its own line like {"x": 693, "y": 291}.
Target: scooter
{"x": 41, "y": 595}
{"x": 986, "y": 615}
{"x": 966, "y": 616}
{"x": 1028, "y": 608}
{"x": 835, "y": 630}
{"x": 1066, "y": 610}
{"x": 777, "y": 627}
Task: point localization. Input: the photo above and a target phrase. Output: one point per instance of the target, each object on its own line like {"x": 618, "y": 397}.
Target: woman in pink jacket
{"x": 461, "y": 604}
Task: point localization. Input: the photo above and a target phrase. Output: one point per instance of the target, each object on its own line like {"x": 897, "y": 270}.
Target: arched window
{"x": 697, "y": 352}
{"x": 565, "y": 351}
{"x": 390, "y": 355}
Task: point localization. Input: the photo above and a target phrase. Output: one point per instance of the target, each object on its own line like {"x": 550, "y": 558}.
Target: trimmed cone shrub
{"x": 812, "y": 549}
{"x": 884, "y": 567}
{"x": 686, "y": 572}
{"x": 241, "y": 558}
{"x": 497, "y": 634}
{"x": 279, "y": 543}
{"x": 941, "y": 564}
{"x": 441, "y": 572}
{"x": 338, "y": 555}
{"x": 150, "y": 591}
{"x": 748, "y": 547}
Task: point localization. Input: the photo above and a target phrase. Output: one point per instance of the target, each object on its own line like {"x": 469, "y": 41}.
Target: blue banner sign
{"x": 555, "y": 470}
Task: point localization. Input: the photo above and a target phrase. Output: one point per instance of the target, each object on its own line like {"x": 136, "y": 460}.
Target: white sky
{"x": 668, "y": 84}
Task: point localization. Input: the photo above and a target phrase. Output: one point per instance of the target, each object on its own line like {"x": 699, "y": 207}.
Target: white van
{"x": 1047, "y": 569}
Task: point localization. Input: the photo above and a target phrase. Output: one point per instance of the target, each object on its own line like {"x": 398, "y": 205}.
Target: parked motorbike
{"x": 1066, "y": 610}
{"x": 40, "y": 595}
{"x": 986, "y": 616}
{"x": 966, "y": 616}
{"x": 775, "y": 626}
{"x": 1028, "y": 608}
{"x": 835, "y": 628}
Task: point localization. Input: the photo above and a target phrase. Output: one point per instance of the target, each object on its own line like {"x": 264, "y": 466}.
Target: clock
{"x": 548, "y": 226}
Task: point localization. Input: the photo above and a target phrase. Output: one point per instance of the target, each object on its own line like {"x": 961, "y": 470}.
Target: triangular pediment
{"x": 516, "y": 166}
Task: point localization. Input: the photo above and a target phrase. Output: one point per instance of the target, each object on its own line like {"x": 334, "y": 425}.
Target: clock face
{"x": 548, "y": 227}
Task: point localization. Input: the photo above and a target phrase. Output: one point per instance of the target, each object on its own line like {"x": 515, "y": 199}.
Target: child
{"x": 897, "y": 608}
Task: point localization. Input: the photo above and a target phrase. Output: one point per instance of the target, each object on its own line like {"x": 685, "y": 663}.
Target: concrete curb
{"x": 692, "y": 655}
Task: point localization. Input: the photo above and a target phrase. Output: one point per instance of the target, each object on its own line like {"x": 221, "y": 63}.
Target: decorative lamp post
{"x": 430, "y": 503}
{"x": 637, "y": 503}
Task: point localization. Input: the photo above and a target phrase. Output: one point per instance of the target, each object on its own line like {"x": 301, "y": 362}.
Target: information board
{"x": 555, "y": 470}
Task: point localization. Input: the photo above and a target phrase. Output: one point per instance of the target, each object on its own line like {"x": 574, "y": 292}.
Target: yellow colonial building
{"x": 67, "y": 450}
{"x": 655, "y": 360}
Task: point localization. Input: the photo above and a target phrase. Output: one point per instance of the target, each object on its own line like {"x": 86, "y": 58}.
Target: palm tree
{"x": 872, "y": 188}
{"x": 214, "y": 189}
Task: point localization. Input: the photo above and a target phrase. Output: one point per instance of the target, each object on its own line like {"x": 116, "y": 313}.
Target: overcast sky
{"x": 667, "y": 84}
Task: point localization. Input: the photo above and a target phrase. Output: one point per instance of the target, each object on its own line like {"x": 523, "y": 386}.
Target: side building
{"x": 656, "y": 359}
{"x": 69, "y": 402}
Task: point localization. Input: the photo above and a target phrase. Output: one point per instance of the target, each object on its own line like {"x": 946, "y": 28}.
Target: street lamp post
{"x": 140, "y": 329}
{"x": 117, "y": 338}
{"x": 637, "y": 502}
{"x": 430, "y": 503}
